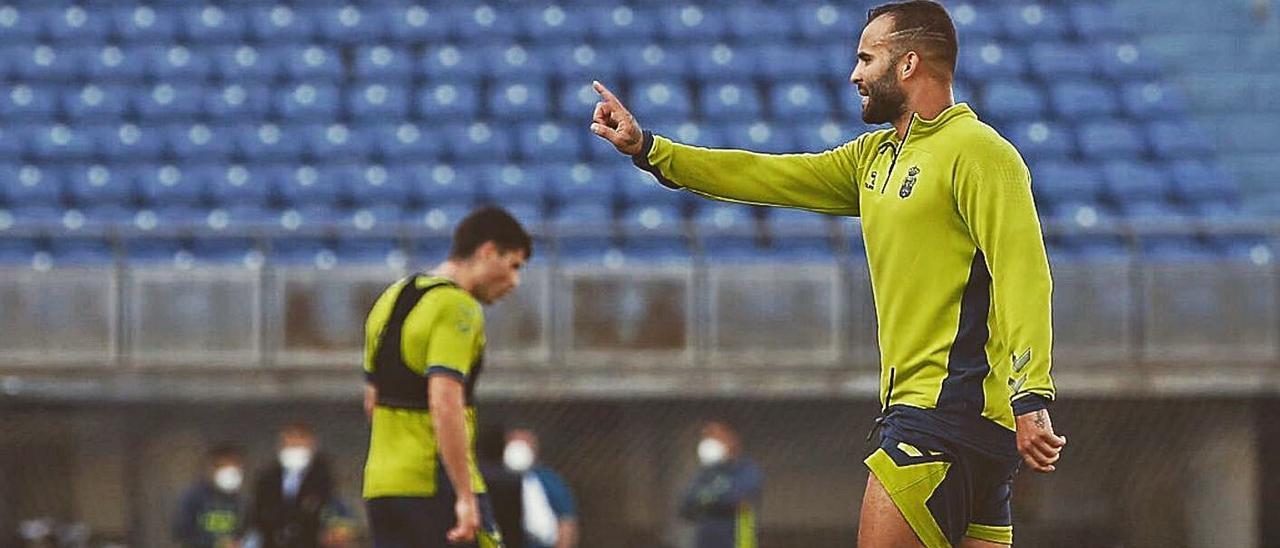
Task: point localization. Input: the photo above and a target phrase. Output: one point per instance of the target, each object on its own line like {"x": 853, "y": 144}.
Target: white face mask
{"x": 295, "y": 458}
{"x": 228, "y": 478}
{"x": 711, "y": 451}
{"x": 518, "y": 456}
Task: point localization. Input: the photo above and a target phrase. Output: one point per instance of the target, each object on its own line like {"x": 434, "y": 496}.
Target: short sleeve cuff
{"x": 446, "y": 370}
{"x": 1029, "y": 403}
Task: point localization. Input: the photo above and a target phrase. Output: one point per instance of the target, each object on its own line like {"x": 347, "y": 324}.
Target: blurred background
{"x": 199, "y": 203}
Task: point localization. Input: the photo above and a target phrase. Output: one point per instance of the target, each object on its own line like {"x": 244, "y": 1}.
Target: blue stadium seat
{"x": 477, "y": 142}
{"x": 20, "y": 24}
{"x": 30, "y": 185}
{"x": 200, "y": 142}
{"x": 75, "y": 24}
{"x": 1255, "y": 249}
{"x": 95, "y": 103}
{"x": 441, "y": 219}
{"x": 983, "y": 61}
{"x": 150, "y": 251}
{"x": 380, "y": 185}
{"x": 210, "y": 23}
{"x": 1053, "y": 61}
{"x": 280, "y": 23}
{"x": 1066, "y": 182}
{"x": 112, "y": 63}
{"x": 12, "y": 141}
{"x": 1131, "y": 182}
{"x": 483, "y": 23}
{"x": 315, "y": 63}
{"x": 661, "y": 100}
{"x": 128, "y": 142}
{"x": 760, "y": 22}
{"x": 369, "y": 251}
{"x": 450, "y": 63}
{"x": 799, "y": 101}
{"x": 1012, "y": 100}
{"x": 236, "y": 102}
{"x": 406, "y": 142}
{"x": 825, "y": 136}
{"x": 513, "y": 62}
{"x": 377, "y": 102}
{"x": 645, "y": 62}
{"x": 1033, "y": 22}
{"x": 43, "y": 62}
{"x": 724, "y": 63}
{"x": 144, "y": 24}
{"x": 651, "y": 219}
{"x": 81, "y": 252}
{"x": 581, "y": 183}
{"x": 312, "y": 218}
{"x": 1124, "y": 61}
{"x": 620, "y": 24}
{"x": 166, "y": 101}
{"x": 171, "y": 218}
{"x": 730, "y": 100}
{"x": 640, "y": 188}
{"x": 584, "y": 249}
{"x": 449, "y": 101}
{"x": 1078, "y": 101}
{"x": 530, "y": 215}
{"x": 1177, "y": 249}
{"x": 690, "y": 133}
{"x": 178, "y": 63}
{"x": 783, "y": 62}
{"x": 547, "y": 142}
{"x": 1093, "y": 21}
{"x": 243, "y": 216}
{"x": 1149, "y": 100}
{"x": 99, "y": 217}
{"x": 335, "y": 142}
{"x": 1178, "y": 139}
{"x": 691, "y": 23}
{"x": 448, "y": 184}
{"x": 24, "y": 102}
{"x": 1195, "y": 181}
{"x": 96, "y": 185}
{"x": 518, "y": 100}
{"x": 18, "y": 251}
{"x": 414, "y": 24}
{"x": 307, "y": 101}
{"x": 513, "y": 183}
{"x": 817, "y": 23}
{"x": 244, "y": 62}
{"x": 665, "y": 249}
{"x": 1042, "y": 140}
{"x": 1105, "y": 140}
{"x": 1078, "y": 214}
{"x": 577, "y": 101}
{"x": 383, "y": 218}
{"x": 554, "y": 24}
{"x": 349, "y": 24}
{"x": 307, "y": 187}
{"x": 384, "y": 63}
{"x": 724, "y": 219}
{"x": 37, "y": 216}
{"x": 585, "y": 217}
{"x": 302, "y": 251}
{"x": 60, "y": 143}
{"x": 1154, "y": 213}
{"x": 759, "y": 136}
{"x": 251, "y": 186}
{"x": 794, "y": 221}
{"x": 224, "y": 250}
{"x": 581, "y": 63}
{"x": 974, "y": 22}
{"x": 169, "y": 185}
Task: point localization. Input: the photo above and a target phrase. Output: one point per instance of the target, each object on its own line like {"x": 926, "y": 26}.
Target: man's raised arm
{"x": 824, "y": 182}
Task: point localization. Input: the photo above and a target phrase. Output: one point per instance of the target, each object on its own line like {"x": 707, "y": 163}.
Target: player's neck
{"x": 456, "y": 271}
{"x": 928, "y": 103}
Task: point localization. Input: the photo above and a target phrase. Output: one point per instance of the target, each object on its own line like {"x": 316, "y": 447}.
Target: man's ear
{"x": 909, "y": 65}
{"x": 487, "y": 251}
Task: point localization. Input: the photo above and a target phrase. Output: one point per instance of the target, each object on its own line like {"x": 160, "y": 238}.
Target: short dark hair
{"x": 490, "y": 224}
{"x": 921, "y": 25}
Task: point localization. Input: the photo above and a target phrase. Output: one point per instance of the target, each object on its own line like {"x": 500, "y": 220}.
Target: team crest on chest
{"x": 909, "y": 183}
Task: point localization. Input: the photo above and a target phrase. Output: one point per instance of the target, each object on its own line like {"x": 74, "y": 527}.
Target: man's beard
{"x": 885, "y": 101}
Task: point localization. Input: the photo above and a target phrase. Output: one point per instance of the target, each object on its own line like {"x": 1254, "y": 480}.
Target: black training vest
{"x": 399, "y": 386}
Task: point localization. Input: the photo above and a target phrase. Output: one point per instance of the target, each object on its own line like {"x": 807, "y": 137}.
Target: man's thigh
{"x": 880, "y": 523}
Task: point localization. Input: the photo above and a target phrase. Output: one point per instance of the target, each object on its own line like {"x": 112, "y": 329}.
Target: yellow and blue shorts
{"x": 947, "y": 494}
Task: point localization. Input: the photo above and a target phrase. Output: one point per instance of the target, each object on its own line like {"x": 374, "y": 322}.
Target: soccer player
{"x": 958, "y": 268}
{"x": 424, "y": 348}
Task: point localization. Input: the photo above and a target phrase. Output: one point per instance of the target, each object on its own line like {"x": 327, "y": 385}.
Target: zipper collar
{"x": 920, "y": 127}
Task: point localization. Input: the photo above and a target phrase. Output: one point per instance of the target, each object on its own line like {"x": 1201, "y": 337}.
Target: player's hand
{"x": 614, "y": 123}
{"x": 1037, "y": 443}
{"x": 468, "y": 520}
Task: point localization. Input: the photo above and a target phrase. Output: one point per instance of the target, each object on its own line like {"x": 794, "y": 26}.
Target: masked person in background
{"x": 550, "y": 516}
{"x": 725, "y": 494}
{"x": 294, "y": 502}
{"x": 212, "y": 512}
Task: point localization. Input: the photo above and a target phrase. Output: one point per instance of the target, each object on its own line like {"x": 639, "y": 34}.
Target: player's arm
{"x": 821, "y": 182}
{"x": 993, "y": 194}
{"x": 454, "y": 341}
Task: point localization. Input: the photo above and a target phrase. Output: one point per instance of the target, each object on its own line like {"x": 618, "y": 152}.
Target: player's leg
{"x": 880, "y": 523}
{"x": 926, "y": 489}
{"x": 991, "y": 525}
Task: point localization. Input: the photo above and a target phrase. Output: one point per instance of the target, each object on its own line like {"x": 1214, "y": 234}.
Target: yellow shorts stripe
{"x": 910, "y": 488}
{"x": 999, "y": 534}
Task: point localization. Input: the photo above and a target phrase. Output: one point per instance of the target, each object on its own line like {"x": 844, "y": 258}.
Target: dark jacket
{"x": 723, "y": 501}
{"x": 208, "y": 517}
{"x": 292, "y": 522}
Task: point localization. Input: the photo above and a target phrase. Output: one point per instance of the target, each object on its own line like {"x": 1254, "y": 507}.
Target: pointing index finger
{"x": 609, "y": 97}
